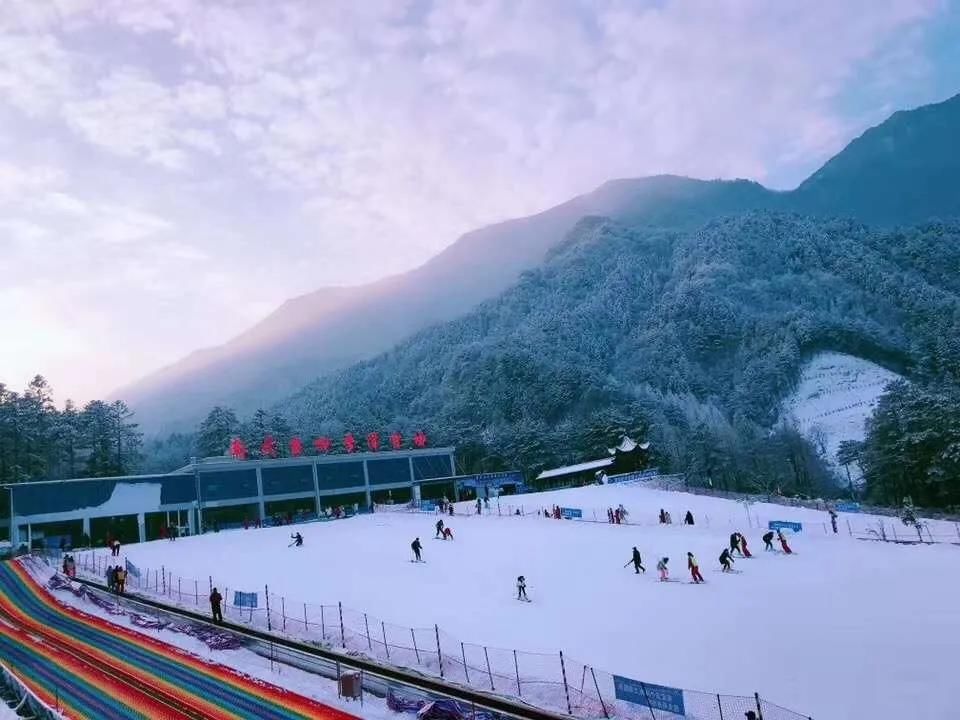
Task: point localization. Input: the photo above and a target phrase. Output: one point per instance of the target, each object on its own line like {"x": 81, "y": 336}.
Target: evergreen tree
{"x": 216, "y": 431}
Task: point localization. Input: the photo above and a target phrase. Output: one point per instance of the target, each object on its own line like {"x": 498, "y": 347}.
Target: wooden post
{"x": 415, "y": 650}
{"x": 283, "y": 612}
{"x": 266, "y": 594}
{"x": 179, "y": 594}
{"x": 383, "y": 629}
{"x": 343, "y": 637}
{"x": 720, "y": 706}
{"x": 602, "y": 704}
{"x": 516, "y": 668}
{"x": 566, "y": 690}
{"x": 323, "y": 625}
{"x": 366, "y": 626}
{"x": 487, "y": 658}
{"x": 436, "y": 629}
{"x": 466, "y": 673}
{"x": 196, "y": 593}
{"x": 849, "y": 529}
{"x": 306, "y": 625}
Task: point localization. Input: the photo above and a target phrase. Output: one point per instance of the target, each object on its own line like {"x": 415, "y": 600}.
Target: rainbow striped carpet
{"x": 93, "y": 669}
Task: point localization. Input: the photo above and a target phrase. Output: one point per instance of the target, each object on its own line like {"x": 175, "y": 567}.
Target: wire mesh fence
{"x": 553, "y": 682}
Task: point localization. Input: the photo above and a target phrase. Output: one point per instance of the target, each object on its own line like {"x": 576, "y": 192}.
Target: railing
{"x": 27, "y": 700}
{"x": 554, "y": 682}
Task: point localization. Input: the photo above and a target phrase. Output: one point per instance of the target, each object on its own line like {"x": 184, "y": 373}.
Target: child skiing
{"x": 694, "y": 569}
{"x": 447, "y": 534}
{"x": 522, "y": 589}
{"x": 726, "y": 561}
{"x": 439, "y": 527}
{"x": 735, "y": 543}
{"x": 637, "y": 562}
{"x": 416, "y": 547}
{"x": 783, "y": 543}
{"x": 768, "y": 541}
{"x": 297, "y": 540}
{"x": 743, "y": 547}
{"x": 662, "y": 567}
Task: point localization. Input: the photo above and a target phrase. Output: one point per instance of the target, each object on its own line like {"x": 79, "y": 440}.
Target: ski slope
{"x": 843, "y": 629}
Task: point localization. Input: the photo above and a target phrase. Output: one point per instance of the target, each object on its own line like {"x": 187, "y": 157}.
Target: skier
{"x": 833, "y": 520}
{"x": 743, "y": 547}
{"x": 610, "y": 515}
{"x": 637, "y": 562}
{"x": 522, "y": 589}
{"x": 726, "y": 560}
{"x": 116, "y": 548}
{"x": 663, "y": 517}
{"x": 215, "y": 599}
{"x": 478, "y": 506}
{"x": 447, "y": 534}
{"x": 662, "y": 567}
{"x": 688, "y": 518}
{"x": 735, "y": 543}
{"x": 297, "y": 539}
{"x": 416, "y": 547}
{"x": 623, "y": 512}
{"x": 783, "y": 543}
{"x": 694, "y": 568}
{"x": 439, "y": 527}
{"x": 768, "y": 540}
{"x": 669, "y": 519}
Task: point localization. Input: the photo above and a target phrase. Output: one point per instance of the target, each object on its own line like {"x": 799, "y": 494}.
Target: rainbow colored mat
{"x": 57, "y": 676}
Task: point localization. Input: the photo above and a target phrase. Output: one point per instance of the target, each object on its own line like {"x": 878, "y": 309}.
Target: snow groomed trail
{"x": 96, "y": 670}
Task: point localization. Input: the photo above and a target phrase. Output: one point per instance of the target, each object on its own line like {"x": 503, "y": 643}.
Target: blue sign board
{"x": 851, "y": 507}
{"x": 492, "y": 480}
{"x": 784, "y": 525}
{"x": 649, "y": 474}
{"x": 571, "y": 513}
{"x": 428, "y": 506}
{"x": 242, "y": 599}
{"x": 657, "y": 697}
{"x": 132, "y": 569}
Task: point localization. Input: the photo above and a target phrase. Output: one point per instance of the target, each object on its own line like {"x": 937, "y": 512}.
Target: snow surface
{"x": 835, "y": 396}
{"x": 843, "y": 629}
{"x": 129, "y": 499}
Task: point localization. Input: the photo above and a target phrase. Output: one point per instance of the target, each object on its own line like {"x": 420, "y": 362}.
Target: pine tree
{"x": 216, "y": 431}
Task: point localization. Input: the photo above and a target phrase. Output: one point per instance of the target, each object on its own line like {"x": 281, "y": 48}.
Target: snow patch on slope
{"x": 835, "y": 396}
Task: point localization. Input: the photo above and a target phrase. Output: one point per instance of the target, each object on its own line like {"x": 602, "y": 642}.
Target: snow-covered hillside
{"x": 843, "y": 629}
{"x": 835, "y": 396}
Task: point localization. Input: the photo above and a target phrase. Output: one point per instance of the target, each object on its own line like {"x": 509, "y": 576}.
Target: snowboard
{"x": 419, "y": 561}
{"x": 524, "y": 599}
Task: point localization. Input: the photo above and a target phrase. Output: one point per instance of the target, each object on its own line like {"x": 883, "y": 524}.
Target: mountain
{"x": 333, "y": 327}
{"x": 695, "y": 336}
{"x": 901, "y": 172}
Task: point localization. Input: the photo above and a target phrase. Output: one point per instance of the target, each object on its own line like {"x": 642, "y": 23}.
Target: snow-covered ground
{"x": 843, "y": 629}
{"x": 835, "y": 396}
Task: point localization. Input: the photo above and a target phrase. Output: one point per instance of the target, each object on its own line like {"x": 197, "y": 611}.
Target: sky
{"x": 172, "y": 170}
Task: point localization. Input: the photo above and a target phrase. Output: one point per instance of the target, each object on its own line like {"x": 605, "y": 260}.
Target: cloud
{"x": 263, "y": 149}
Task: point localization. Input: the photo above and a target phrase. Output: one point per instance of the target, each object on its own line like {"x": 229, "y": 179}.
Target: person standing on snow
{"x": 522, "y": 588}
{"x": 833, "y": 520}
{"x": 726, "y": 560}
{"x": 447, "y": 534}
{"x": 663, "y": 517}
{"x": 416, "y": 547}
{"x": 768, "y": 540}
{"x": 743, "y": 547}
{"x": 662, "y": 567}
{"x": 637, "y": 562}
{"x": 439, "y": 527}
{"x": 478, "y": 506}
{"x": 694, "y": 568}
{"x": 688, "y": 518}
{"x": 735, "y": 543}
{"x": 215, "y": 599}
{"x": 783, "y": 543}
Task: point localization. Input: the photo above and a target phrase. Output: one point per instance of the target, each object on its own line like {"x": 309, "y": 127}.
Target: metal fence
{"x": 21, "y": 700}
{"x": 553, "y": 682}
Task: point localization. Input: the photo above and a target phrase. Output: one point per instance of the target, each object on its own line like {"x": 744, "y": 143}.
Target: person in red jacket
{"x": 694, "y": 568}
{"x": 783, "y": 543}
{"x": 447, "y": 534}
{"x": 743, "y": 547}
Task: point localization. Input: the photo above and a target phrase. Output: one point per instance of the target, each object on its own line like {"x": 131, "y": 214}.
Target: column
{"x": 191, "y": 525}
{"x": 14, "y": 532}
{"x": 316, "y": 485}
{"x": 262, "y": 506}
{"x": 142, "y": 526}
{"x": 366, "y": 483}
{"x": 29, "y": 536}
{"x": 86, "y": 527}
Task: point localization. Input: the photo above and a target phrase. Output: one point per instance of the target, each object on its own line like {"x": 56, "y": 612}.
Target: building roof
{"x": 574, "y": 469}
{"x": 627, "y": 445}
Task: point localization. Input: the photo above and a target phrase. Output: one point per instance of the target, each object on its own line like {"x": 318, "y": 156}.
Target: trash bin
{"x": 350, "y": 685}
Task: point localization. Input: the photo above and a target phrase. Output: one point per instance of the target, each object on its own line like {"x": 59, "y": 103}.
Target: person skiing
{"x": 663, "y": 517}
{"x": 215, "y": 599}
{"x": 694, "y": 568}
{"x": 669, "y": 519}
{"x": 478, "y": 506}
{"x": 522, "y": 589}
{"x": 450, "y": 509}
{"x": 610, "y": 515}
{"x": 833, "y": 520}
{"x": 735, "y": 543}
{"x": 637, "y": 562}
{"x": 623, "y": 512}
{"x": 416, "y": 547}
{"x": 768, "y": 540}
{"x": 726, "y": 560}
{"x": 116, "y": 547}
{"x": 743, "y": 547}
{"x": 297, "y": 539}
{"x": 688, "y": 518}
{"x": 447, "y": 534}
{"x": 662, "y": 567}
{"x": 439, "y": 527}
{"x": 783, "y": 543}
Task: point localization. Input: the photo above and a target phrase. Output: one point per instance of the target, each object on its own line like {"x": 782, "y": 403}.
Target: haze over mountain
{"x": 903, "y": 171}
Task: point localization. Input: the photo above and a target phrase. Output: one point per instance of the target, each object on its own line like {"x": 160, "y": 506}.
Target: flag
{"x": 132, "y": 569}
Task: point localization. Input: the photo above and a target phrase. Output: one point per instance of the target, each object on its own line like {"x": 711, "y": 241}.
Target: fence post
{"x": 894, "y": 528}
{"x": 306, "y": 625}
{"x": 756, "y": 696}
{"x": 436, "y": 630}
{"x": 343, "y": 637}
{"x": 566, "y": 690}
{"x": 196, "y": 593}
{"x": 170, "y": 584}
{"x": 487, "y": 658}
{"x": 283, "y": 612}
{"x": 266, "y": 593}
{"x": 366, "y": 626}
{"x": 720, "y": 706}
{"x": 415, "y": 650}
{"x": 323, "y": 625}
{"x": 179, "y": 593}
{"x": 210, "y": 580}
{"x": 466, "y": 673}
{"x": 600, "y": 697}
{"x": 516, "y": 668}
{"x": 163, "y": 574}
{"x": 156, "y": 581}
{"x": 647, "y": 698}
{"x": 383, "y": 629}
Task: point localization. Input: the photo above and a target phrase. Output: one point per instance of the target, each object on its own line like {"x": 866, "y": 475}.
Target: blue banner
{"x": 492, "y": 480}
{"x": 657, "y": 697}
{"x": 428, "y": 506}
{"x": 630, "y": 476}
{"x": 242, "y": 599}
{"x": 132, "y": 569}
{"x": 784, "y": 525}
{"x": 571, "y": 513}
{"x": 850, "y": 507}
